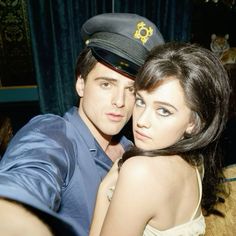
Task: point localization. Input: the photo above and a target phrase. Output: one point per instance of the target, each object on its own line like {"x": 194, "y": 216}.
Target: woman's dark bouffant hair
{"x": 206, "y": 86}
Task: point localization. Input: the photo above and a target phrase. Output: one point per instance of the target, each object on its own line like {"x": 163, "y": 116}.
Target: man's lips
{"x": 114, "y": 116}
{"x": 140, "y": 135}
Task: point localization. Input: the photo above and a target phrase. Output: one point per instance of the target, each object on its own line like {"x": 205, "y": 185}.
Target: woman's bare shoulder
{"x": 144, "y": 168}
{"x": 151, "y": 177}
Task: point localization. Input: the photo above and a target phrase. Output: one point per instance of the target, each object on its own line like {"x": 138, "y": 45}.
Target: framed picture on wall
{"x": 17, "y": 79}
{"x": 16, "y": 67}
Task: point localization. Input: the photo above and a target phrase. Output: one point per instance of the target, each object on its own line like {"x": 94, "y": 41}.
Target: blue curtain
{"x": 173, "y": 17}
{"x": 56, "y": 41}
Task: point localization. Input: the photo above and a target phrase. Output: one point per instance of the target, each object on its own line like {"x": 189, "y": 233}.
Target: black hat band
{"x": 115, "y": 62}
{"x": 122, "y": 46}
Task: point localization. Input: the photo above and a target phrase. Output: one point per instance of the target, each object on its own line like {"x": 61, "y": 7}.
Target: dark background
{"x": 17, "y": 65}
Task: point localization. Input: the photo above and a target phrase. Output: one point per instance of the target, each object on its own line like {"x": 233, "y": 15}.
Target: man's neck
{"x": 114, "y": 151}
{"x": 111, "y": 147}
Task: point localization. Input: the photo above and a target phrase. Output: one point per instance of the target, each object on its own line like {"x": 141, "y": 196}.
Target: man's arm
{"x": 36, "y": 163}
{"x": 15, "y": 219}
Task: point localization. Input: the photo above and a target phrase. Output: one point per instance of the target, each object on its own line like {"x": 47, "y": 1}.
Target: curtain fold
{"x": 173, "y": 17}
{"x": 56, "y": 41}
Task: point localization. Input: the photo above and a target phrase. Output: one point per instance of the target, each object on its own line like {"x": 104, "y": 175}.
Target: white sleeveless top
{"x": 194, "y": 227}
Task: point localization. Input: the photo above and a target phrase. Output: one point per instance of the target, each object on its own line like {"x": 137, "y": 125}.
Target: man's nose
{"x": 119, "y": 98}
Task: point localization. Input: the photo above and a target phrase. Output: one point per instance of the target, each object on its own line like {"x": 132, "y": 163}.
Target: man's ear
{"x": 80, "y": 86}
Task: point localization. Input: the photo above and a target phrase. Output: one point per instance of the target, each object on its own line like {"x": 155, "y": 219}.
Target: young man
{"x": 55, "y": 164}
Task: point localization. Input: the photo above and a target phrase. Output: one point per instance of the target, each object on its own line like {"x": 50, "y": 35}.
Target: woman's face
{"x": 161, "y": 117}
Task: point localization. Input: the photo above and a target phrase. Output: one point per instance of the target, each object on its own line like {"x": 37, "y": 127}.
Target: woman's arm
{"x": 102, "y": 201}
{"x": 131, "y": 206}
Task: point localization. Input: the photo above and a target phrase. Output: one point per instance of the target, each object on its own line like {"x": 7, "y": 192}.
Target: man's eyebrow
{"x": 106, "y": 78}
{"x": 130, "y": 84}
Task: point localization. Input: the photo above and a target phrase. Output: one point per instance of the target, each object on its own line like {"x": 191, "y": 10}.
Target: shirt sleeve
{"x": 38, "y": 162}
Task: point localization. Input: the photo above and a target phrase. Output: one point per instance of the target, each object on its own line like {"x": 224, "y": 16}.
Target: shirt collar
{"x": 73, "y": 116}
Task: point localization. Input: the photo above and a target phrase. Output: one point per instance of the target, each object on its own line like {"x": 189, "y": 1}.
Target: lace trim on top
{"x": 194, "y": 227}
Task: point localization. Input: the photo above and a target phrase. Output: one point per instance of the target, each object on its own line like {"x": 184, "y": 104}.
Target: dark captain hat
{"x": 121, "y": 40}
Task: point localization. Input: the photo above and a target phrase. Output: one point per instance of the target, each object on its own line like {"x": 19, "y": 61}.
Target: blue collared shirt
{"x": 55, "y": 161}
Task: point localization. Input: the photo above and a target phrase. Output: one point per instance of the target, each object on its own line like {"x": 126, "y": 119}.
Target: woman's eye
{"x": 139, "y": 102}
{"x": 163, "y": 112}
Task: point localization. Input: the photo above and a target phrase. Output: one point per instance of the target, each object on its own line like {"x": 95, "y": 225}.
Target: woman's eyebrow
{"x": 159, "y": 102}
{"x": 166, "y": 104}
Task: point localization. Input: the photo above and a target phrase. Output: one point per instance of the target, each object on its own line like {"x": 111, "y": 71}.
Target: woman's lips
{"x": 140, "y": 135}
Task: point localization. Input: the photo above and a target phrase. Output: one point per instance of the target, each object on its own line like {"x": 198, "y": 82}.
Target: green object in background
{"x": 19, "y": 94}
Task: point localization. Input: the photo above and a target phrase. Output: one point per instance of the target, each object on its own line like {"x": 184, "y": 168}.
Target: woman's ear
{"x": 80, "y": 86}
{"x": 194, "y": 125}
{"x": 191, "y": 128}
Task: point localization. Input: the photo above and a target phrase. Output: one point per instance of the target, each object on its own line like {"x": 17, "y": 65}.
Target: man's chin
{"x": 112, "y": 132}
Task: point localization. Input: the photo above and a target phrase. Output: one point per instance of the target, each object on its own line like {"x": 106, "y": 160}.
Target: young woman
{"x": 174, "y": 172}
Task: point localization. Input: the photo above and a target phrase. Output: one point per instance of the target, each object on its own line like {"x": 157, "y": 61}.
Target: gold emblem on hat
{"x": 143, "y": 33}
{"x": 124, "y": 64}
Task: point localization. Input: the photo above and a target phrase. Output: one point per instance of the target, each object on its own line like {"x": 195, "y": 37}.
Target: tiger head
{"x": 219, "y": 44}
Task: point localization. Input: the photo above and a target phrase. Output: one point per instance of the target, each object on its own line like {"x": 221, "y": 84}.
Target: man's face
{"x": 107, "y": 100}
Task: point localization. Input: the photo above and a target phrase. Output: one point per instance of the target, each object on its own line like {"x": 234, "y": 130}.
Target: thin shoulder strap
{"x": 199, "y": 179}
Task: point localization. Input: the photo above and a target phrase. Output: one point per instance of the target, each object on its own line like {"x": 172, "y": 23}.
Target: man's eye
{"x": 131, "y": 89}
{"x": 105, "y": 85}
{"x": 163, "y": 112}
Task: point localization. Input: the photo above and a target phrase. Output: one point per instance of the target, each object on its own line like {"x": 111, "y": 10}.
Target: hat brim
{"x": 115, "y": 62}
